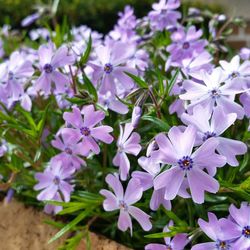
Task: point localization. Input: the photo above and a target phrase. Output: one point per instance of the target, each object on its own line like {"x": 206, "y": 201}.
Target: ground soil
{"x": 22, "y": 228}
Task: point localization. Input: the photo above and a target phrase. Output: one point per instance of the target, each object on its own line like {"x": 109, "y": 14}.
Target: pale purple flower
{"x": 127, "y": 143}
{"x": 71, "y": 151}
{"x": 214, "y": 125}
{"x": 185, "y": 44}
{"x": 164, "y": 14}
{"x": 124, "y": 201}
{"x": 52, "y": 209}
{"x": 214, "y": 229}
{"x": 235, "y": 70}
{"x": 50, "y": 60}
{"x": 245, "y": 54}
{"x": 178, "y": 242}
{"x": 176, "y": 150}
{"x": 136, "y": 116}
{"x": 217, "y": 90}
{"x": 110, "y": 66}
{"x": 3, "y": 148}
{"x": 245, "y": 100}
{"x": 40, "y": 33}
{"x": 30, "y": 19}
{"x": 85, "y": 129}
{"x": 240, "y": 226}
{"x": 109, "y": 101}
{"x": 14, "y": 74}
{"x": 54, "y": 180}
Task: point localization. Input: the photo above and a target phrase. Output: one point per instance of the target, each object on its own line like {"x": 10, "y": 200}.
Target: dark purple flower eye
{"x": 48, "y": 68}
{"x": 85, "y": 131}
{"x": 123, "y": 205}
{"x": 56, "y": 180}
{"x": 11, "y": 75}
{"x": 186, "y": 163}
{"x": 186, "y": 45}
{"x": 168, "y": 247}
{"x": 215, "y": 93}
{"x": 234, "y": 75}
{"x": 68, "y": 151}
{"x": 246, "y": 231}
{"x": 108, "y": 68}
{"x": 222, "y": 245}
{"x": 208, "y": 135}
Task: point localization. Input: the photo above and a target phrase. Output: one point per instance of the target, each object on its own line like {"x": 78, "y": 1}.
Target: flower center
{"x": 215, "y": 93}
{"x": 85, "y": 131}
{"x": 222, "y": 245}
{"x": 108, "y": 68}
{"x": 208, "y": 135}
{"x": 68, "y": 151}
{"x": 186, "y": 163}
{"x": 234, "y": 75}
{"x": 168, "y": 247}
{"x": 56, "y": 180}
{"x": 10, "y": 75}
{"x": 123, "y": 205}
{"x": 246, "y": 231}
{"x": 186, "y": 45}
{"x": 48, "y": 68}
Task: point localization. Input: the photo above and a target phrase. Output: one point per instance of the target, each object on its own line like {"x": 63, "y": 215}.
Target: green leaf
{"x": 141, "y": 83}
{"x": 41, "y": 123}
{"x": 72, "y": 209}
{"x": 172, "y": 81}
{"x": 90, "y": 87}
{"x": 70, "y": 225}
{"x": 27, "y": 116}
{"x": 171, "y": 215}
{"x": 87, "y": 52}
{"x": 161, "y": 124}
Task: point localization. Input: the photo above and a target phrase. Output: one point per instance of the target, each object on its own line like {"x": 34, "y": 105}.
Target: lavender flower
{"x": 110, "y": 67}
{"x": 70, "y": 151}
{"x": 200, "y": 119}
{"x": 127, "y": 143}
{"x": 177, "y": 151}
{"x": 54, "y": 181}
{"x": 245, "y": 53}
{"x": 124, "y": 202}
{"x": 85, "y": 129}
{"x": 178, "y": 242}
{"x": 216, "y": 91}
{"x": 214, "y": 229}
{"x": 164, "y": 16}
{"x": 50, "y": 61}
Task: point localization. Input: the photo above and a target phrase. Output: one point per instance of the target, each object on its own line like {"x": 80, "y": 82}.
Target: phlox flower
{"x": 54, "y": 180}
{"x": 217, "y": 90}
{"x": 127, "y": 143}
{"x": 124, "y": 201}
{"x": 71, "y": 151}
{"x": 49, "y": 62}
{"x": 176, "y": 150}
{"x": 85, "y": 129}
{"x": 110, "y": 66}
{"x": 164, "y": 14}
{"x": 178, "y": 242}
{"x": 213, "y": 125}
{"x": 214, "y": 229}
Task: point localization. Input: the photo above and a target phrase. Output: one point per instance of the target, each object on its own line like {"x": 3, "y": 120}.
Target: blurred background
{"x": 101, "y": 15}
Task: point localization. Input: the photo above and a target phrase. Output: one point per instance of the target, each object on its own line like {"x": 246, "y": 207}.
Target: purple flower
{"x": 30, "y": 19}
{"x": 240, "y": 226}
{"x": 50, "y": 61}
{"x": 245, "y": 100}
{"x": 110, "y": 66}
{"x": 3, "y": 147}
{"x": 54, "y": 180}
{"x": 14, "y": 73}
{"x": 178, "y": 242}
{"x": 176, "y": 150}
{"x": 163, "y": 16}
{"x": 70, "y": 151}
{"x": 211, "y": 125}
{"x": 52, "y": 209}
{"x": 127, "y": 143}
{"x": 85, "y": 129}
{"x": 214, "y": 229}
{"x": 217, "y": 90}
{"x": 185, "y": 45}
{"x": 245, "y": 53}
{"x": 235, "y": 70}
{"x": 124, "y": 202}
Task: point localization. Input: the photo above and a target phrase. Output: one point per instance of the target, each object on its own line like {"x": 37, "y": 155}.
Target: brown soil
{"x": 23, "y": 228}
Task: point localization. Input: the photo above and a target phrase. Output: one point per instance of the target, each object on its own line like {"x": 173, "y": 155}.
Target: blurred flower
{"x": 30, "y": 19}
